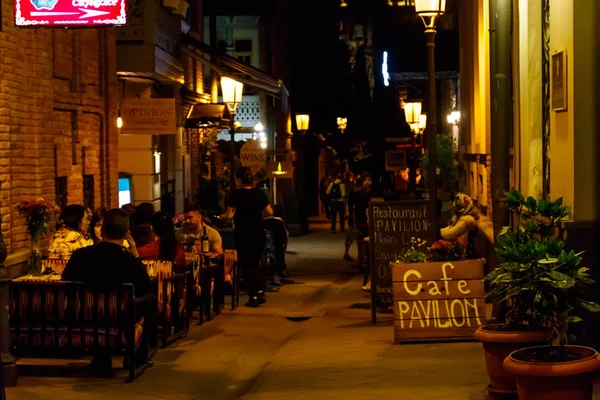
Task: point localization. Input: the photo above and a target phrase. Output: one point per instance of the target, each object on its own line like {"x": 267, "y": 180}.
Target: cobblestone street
{"x": 259, "y": 354}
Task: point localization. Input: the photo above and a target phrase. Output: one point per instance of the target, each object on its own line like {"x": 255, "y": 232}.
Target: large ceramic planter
{"x": 497, "y": 345}
{"x": 569, "y": 380}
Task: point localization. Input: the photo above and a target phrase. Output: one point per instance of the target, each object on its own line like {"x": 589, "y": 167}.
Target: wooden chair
{"x": 173, "y": 294}
{"x": 231, "y": 270}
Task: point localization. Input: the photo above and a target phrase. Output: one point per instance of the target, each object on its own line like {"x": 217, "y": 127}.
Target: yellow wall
{"x": 475, "y": 93}
{"x": 475, "y": 76}
{"x": 562, "y": 122}
{"x": 528, "y": 97}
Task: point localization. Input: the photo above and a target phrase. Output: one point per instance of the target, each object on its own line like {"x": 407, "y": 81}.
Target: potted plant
{"x": 556, "y": 370}
{"x": 515, "y": 284}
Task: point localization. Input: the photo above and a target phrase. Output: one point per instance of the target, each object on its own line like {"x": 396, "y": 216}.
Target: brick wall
{"x": 57, "y": 102}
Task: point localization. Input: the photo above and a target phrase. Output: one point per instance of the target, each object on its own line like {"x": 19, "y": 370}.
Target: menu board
{"x": 392, "y": 225}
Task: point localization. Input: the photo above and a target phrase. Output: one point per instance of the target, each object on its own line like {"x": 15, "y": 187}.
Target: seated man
{"x": 194, "y": 228}
{"x": 108, "y": 263}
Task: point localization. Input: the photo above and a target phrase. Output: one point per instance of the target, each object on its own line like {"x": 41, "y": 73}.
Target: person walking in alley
{"x": 358, "y": 203}
{"x": 337, "y": 192}
{"x": 247, "y": 206}
{"x": 323, "y": 186}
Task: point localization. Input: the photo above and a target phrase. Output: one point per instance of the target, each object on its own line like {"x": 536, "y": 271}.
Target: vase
{"x": 35, "y": 259}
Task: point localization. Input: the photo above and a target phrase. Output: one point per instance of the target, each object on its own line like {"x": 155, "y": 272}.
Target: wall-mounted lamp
{"x": 232, "y": 92}
{"x": 119, "y": 121}
{"x": 156, "y": 162}
{"x": 343, "y": 3}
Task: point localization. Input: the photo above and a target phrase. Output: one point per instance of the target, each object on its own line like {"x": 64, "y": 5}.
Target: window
{"x": 60, "y": 191}
{"x": 124, "y": 189}
{"x": 243, "y": 50}
{"x": 88, "y": 191}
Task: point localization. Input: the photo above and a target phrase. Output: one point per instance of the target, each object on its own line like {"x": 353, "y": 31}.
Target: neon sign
{"x": 384, "y": 69}
{"x": 70, "y": 13}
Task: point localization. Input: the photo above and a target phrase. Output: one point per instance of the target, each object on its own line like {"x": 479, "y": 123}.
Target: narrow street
{"x": 259, "y": 354}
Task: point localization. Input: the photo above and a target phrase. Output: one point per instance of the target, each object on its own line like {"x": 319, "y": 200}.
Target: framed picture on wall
{"x": 559, "y": 81}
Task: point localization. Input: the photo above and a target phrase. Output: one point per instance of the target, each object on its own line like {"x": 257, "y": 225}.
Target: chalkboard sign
{"x": 438, "y": 300}
{"x": 392, "y": 224}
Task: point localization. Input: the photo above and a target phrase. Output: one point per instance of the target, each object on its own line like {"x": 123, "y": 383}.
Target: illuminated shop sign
{"x": 70, "y": 13}
{"x": 384, "y": 69}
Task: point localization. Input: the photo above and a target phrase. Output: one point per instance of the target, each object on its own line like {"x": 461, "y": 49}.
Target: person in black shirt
{"x": 247, "y": 206}
{"x": 358, "y": 203}
{"x": 109, "y": 263}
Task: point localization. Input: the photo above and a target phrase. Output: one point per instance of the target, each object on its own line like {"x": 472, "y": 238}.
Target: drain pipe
{"x": 501, "y": 122}
{"x": 501, "y": 104}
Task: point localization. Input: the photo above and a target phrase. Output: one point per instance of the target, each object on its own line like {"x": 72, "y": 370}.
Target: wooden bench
{"x": 70, "y": 320}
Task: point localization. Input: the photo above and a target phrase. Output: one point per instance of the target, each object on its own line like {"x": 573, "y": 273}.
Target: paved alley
{"x": 260, "y": 354}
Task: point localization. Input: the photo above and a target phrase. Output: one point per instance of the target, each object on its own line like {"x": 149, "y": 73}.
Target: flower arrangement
{"x": 38, "y": 214}
{"x": 178, "y": 221}
{"x": 416, "y": 253}
{"x": 444, "y": 250}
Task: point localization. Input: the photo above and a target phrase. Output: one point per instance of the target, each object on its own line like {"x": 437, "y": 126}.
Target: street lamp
{"x": 453, "y": 118}
{"x": 412, "y": 111}
{"x": 302, "y": 122}
{"x": 232, "y": 91}
{"x": 342, "y": 123}
{"x": 429, "y": 11}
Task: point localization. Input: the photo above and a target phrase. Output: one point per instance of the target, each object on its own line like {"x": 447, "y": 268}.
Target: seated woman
{"x": 164, "y": 246}
{"x": 72, "y": 235}
{"x": 96, "y": 229}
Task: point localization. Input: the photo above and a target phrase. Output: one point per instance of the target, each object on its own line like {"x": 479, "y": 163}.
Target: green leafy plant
{"x": 416, "y": 253}
{"x": 448, "y": 172}
{"x": 539, "y": 280}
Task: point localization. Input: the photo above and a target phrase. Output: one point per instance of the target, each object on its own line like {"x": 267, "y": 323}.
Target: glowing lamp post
{"x": 412, "y": 110}
{"x": 429, "y": 11}
{"x": 232, "y": 91}
{"x": 302, "y": 122}
{"x": 342, "y": 123}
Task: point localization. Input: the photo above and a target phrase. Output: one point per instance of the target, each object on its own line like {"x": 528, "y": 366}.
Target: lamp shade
{"x": 232, "y": 92}
{"x": 430, "y": 8}
{"x": 342, "y": 122}
{"x": 422, "y": 121}
{"x": 302, "y": 121}
{"x": 413, "y": 112}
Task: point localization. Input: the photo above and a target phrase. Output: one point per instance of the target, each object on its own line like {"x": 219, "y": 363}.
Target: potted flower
{"x": 38, "y": 214}
{"x": 534, "y": 280}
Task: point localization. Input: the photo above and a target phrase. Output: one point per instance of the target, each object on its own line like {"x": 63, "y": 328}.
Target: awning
{"x": 227, "y": 65}
{"x": 208, "y": 116}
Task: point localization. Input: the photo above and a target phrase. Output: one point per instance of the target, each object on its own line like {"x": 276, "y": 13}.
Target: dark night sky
{"x": 319, "y": 62}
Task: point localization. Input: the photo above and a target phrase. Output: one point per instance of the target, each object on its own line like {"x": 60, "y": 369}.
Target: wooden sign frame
{"x": 372, "y": 244}
{"x": 438, "y": 301}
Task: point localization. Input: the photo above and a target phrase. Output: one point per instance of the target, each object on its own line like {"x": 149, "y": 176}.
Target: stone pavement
{"x": 259, "y": 354}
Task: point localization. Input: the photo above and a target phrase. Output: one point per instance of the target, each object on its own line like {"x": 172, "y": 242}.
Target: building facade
{"x": 57, "y": 113}
{"x": 553, "y": 145}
